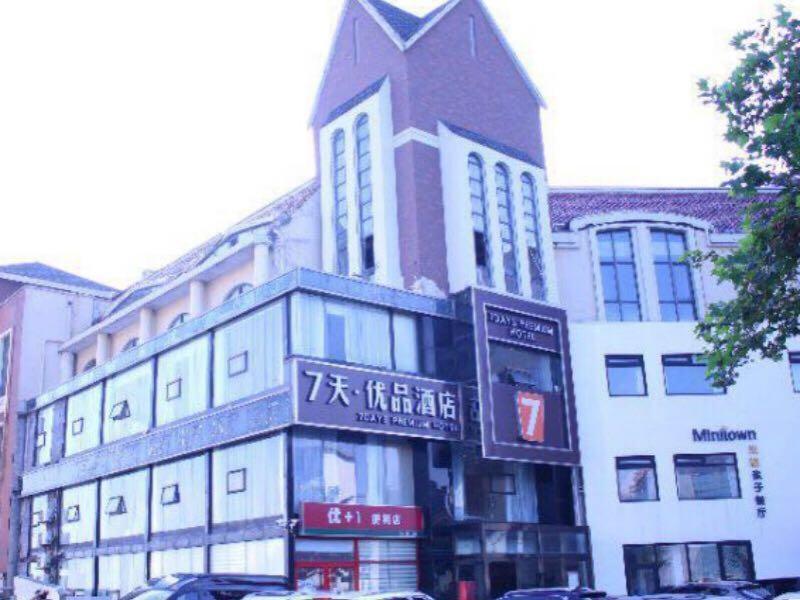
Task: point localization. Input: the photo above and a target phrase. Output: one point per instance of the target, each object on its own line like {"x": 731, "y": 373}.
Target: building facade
{"x": 40, "y": 308}
{"x": 421, "y": 369}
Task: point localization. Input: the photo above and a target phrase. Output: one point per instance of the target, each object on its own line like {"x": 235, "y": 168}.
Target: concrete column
{"x": 67, "y": 361}
{"x": 261, "y": 270}
{"x": 103, "y": 352}
{"x": 197, "y": 298}
{"x": 147, "y": 324}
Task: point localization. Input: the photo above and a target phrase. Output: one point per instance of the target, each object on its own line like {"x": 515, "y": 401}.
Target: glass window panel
{"x": 677, "y": 245}
{"x": 364, "y": 189}
{"x": 480, "y": 502}
{"x": 609, "y": 275}
{"x": 264, "y": 492}
{"x": 385, "y": 577}
{"x": 406, "y": 343}
{"x": 77, "y": 574}
{"x": 535, "y": 369}
{"x": 261, "y": 557}
{"x": 189, "y": 510}
{"x": 626, "y": 376}
{"x": 704, "y": 562}
{"x": 45, "y": 425}
{"x": 664, "y": 279}
{"x": 613, "y": 311}
{"x": 480, "y": 220}
{"x": 183, "y": 384}
{"x": 706, "y": 476}
{"x": 626, "y": 281}
{"x": 794, "y": 363}
{"x": 84, "y": 412}
{"x": 686, "y": 312}
{"x": 686, "y": 374}
{"x": 132, "y": 490}
{"x": 260, "y": 336}
{"x": 134, "y": 387}
{"x": 605, "y": 244}
{"x": 78, "y": 514}
{"x": 660, "y": 246}
{"x": 630, "y": 311}
{"x": 184, "y": 560}
{"x": 121, "y": 573}
{"x": 673, "y": 565}
{"x": 640, "y": 569}
{"x": 737, "y": 562}
{"x": 636, "y": 479}
{"x": 683, "y": 286}
{"x": 622, "y": 246}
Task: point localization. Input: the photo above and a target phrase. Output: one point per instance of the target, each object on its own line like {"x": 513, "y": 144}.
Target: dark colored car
{"x": 206, "y": 587}
{"x": 580, "y": 593}
{"x": 744, "y": 590}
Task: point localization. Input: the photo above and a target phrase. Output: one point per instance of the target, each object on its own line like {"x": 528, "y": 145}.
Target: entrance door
{"x": 502, "y": 578}
{"x": 325, "y": 577}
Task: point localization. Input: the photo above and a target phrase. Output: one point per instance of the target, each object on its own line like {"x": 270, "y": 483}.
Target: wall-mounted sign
{"x": 756, "y": 473}
{"x": 724, "y": 435}
{"x": 525, "y": 391}
{"x": 355, "y": 519}
{"x": 332, "y": 395}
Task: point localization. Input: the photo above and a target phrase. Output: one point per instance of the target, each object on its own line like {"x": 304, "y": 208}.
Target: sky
{"x": 131, "y": 131}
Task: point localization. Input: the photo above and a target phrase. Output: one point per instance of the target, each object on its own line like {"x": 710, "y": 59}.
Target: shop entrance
{"x": 502, "y": 578}
{"x": 326, "y": 577}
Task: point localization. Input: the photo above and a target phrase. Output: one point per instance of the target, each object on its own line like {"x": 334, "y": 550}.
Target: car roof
{"x": 186, "y": 580}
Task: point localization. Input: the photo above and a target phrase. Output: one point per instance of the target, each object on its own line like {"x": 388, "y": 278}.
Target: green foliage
{"x": 761, "y": 102}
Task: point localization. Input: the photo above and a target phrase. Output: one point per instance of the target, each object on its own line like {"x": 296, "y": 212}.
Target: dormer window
{"x": 505, "y": 212}
{"x": 530, "y": 215}
{"x": 365, "y": 216}
{"x": 480, "y": 221}
{"x": 340, "y": 203}
{"x": 237, "y": 291}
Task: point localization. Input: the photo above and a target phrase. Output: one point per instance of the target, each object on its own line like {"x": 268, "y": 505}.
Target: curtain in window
{"x": 77, "y": 574}
{"x": 45, "y": 426}
{"x": 83, "y": 420}
{"x": 673, "y": 567}
{"x": 133, "y": 489}
{"x": 261, "y": 557}
{"x": 406, "y": 345}
{"x": 249, "y": 355}
{"x": 704, "y": 562}
{"x": 121, "y": 573}
{"x": 135, "y": 387}
{"x": 185, "y": 560}
{"x": 82, "y": 530}
{"x": 183, "y": 383}
{"x": 190, "y": 510}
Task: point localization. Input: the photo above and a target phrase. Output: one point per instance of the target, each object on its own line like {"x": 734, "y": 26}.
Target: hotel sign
{"x": 342, "y": 397}
{"x": 319, "y": 518}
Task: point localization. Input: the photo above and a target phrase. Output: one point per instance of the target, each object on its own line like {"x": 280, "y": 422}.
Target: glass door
{"x": 325, "y": 577}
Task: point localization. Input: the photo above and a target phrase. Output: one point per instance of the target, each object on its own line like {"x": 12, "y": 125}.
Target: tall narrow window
{"x": 674, "y": 276}
{"x": 480, "y": 221}
{"x": 794, "y": 364}
{"x": 366, "y": 221}
{"x": 505, "y": 212}
{"x": 532, "y": 238}
{"x": 340, "y": 203}
{"x": 5, "y": 362}
{"x": 473, "y": 41}
{"x": 356, "y": 49}
{"x": 618, "y": 273}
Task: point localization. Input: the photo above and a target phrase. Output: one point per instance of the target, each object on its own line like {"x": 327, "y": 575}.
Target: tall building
{"x": 40, "y": 308}
{"x": 421, "y": 369}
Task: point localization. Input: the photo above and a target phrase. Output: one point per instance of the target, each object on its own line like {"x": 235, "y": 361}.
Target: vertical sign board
{"x": 527, "y": 407}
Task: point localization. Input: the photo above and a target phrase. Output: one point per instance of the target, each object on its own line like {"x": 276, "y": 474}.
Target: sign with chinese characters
{"x": 525, "y": 390}
{"x": 318, "y": 518}
{"x": 379, "y": 402}
{"x": 530, "y": 413}
{"x": 759, "y": 495}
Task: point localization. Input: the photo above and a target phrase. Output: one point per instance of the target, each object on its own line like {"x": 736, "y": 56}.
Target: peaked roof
{"x": 38, "y": 273}
{"x": 404, "y": 23}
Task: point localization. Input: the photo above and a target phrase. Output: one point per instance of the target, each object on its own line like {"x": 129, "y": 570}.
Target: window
{"x": 674, "y": 276}
{"x": 90, "y": 365}
{"x": 77, "y": 426}
{"x": 5, "y": 362}
{"x": 366, "y": 219}
{"x": 532, "y": 238}
{"x": 179, "y": 320}
{"x": 170, "y": 494}
{"x": 120, "y": 411}
{"x": 41, "y": 439}
{"x": 130, "y": 344}
{"x": 686, "y": 374}
{"x": 794, "y": 365}
{"x": 618, "y": 274}
{"x": 505, "y": 210}
{"x": 651, "y": 568}
{"x": 503, "y": 483}
{"x": 707, "y": 476}
{"x": 73, "y": 514}
{"x": 237, "y": 481}
{"x": 37, "y": 518}
{"x": 636, "y": 479}
{"x": 625, "y": 375}
{"x": 237, "y": 364}
{"x": 237, "y": 291}
{"x": 480, "y": 220}
{"x": 340, "y": 203}
{"x": 116, "y": 506}
{"x": 174, "y": 390}
{"x": 533, "y": 369}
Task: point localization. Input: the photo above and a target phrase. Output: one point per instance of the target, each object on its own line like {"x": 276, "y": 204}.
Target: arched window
{"x": 179, "y": 320}
{"x": 340, "y": 203}
{"x": 532, "y": 236}
{"x": 365, "y": 218}
{"x": 130, "y": 344}
{"x": 505, "y": 211}
{"x": 237, "y": 291}
{"x": 480, "y": 221}
{"x": 89, "y": 365}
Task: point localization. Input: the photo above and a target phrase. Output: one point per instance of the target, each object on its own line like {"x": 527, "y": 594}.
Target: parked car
{"x": 735, "y": 589}
{"x": 406, "y": 595}
{"x": 556, "y": 593}
{"x": 284, "y": 595}
{"x": 789, "y": 596}
{"x": 209, "y": 587}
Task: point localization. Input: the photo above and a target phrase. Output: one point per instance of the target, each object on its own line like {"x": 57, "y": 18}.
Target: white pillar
{"x": 260, "y": 263}
{"x": 147, "y": 324}
{"x": 197, "y": 298}
{"x": 67, "y": 360}
{"x": 103, "y": 351}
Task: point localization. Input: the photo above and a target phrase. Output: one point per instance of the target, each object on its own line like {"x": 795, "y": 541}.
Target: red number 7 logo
{"x": 530, "y": 414}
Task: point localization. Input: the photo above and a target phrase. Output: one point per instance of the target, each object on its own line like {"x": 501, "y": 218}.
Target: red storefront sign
{"x": 360, "y": 520}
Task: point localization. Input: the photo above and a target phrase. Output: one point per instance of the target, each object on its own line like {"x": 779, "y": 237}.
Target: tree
{"x": 761, "y": 102}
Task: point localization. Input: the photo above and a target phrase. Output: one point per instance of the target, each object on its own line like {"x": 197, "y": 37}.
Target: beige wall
{"x": 84, "y": 356}
{"x": 576, "y": 277}
{"x": 119, "y": 339}
{"x": 218, "y": 288}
